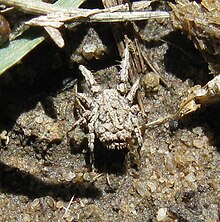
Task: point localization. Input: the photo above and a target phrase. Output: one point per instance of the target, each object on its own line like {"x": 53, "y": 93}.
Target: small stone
{"x": 59, "y": 204}
{"x": 169, "y": 163}
{"x": 197, "y": 130}
{"x": 26, "y": 218}
{"x": 141, "y": 188}
{"x": 39, "y": 119}
{"x": 152, "y": 186}
{"x": 35, "y": 203}
{"x": 198, "y": 143}
{"x": 87, "y": 177}
{"x": 132, "y": 209}
{"x": 124, "y": 207}
{"x": 190, "y": 177}
{"x": 69, "y": 176}
{"x": 23, "y": 199}
{"x": 3, "y": 135}
{"x": 162, "y": 214}
{"x": 88, "y": 51}
{"x": 50, "y": 202}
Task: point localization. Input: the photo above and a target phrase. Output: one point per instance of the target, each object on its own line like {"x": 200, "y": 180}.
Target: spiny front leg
{"x": 125, "y": 65}
{"x": 79, "y": 122}
{"x": 85, "y": 99}
{"x": 82, "y": 99}
{"x": 136, "y": 123}
{"x": 139, "y": 136}
{"x": 90, "y": 79}
{"x": 91, "y": 143}
{"x": 131, "y": 94}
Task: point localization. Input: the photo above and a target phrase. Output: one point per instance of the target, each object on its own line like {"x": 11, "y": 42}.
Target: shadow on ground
{"x": 16, "y": 181}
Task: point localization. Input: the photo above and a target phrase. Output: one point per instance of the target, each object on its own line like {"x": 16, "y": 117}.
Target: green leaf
{"x": 13, "y": 51}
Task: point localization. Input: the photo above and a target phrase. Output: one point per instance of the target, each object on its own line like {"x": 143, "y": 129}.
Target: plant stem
{"x": 84, "y": 15}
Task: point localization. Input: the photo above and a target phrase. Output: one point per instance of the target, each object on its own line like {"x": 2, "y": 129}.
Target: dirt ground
{"x": 44, "y": 175}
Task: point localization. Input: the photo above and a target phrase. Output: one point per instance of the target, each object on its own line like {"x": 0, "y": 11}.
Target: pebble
{"x": 26, "y": 218}
{"x": 198, "y": 143}
{"x": 190, "y": 177}
{"x": 162, "y": 214}
{"x": 152, "y": 186}
{"x": 141, "y": 188}
{"x": 35, "y": 204}
{"x": 69, "y": 176}
{"x": 50, "y": 202}
{"x": 197, "y": 130}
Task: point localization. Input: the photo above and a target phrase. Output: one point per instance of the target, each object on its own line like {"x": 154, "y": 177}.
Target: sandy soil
{"x": 44, "y": 176}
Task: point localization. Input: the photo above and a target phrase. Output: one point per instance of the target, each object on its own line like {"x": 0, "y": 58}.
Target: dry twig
{"x": 61, "y": 14}
{"x": 197, "y": 97}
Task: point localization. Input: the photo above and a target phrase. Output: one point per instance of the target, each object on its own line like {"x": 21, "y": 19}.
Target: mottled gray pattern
{"x": 111, "y": 116}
